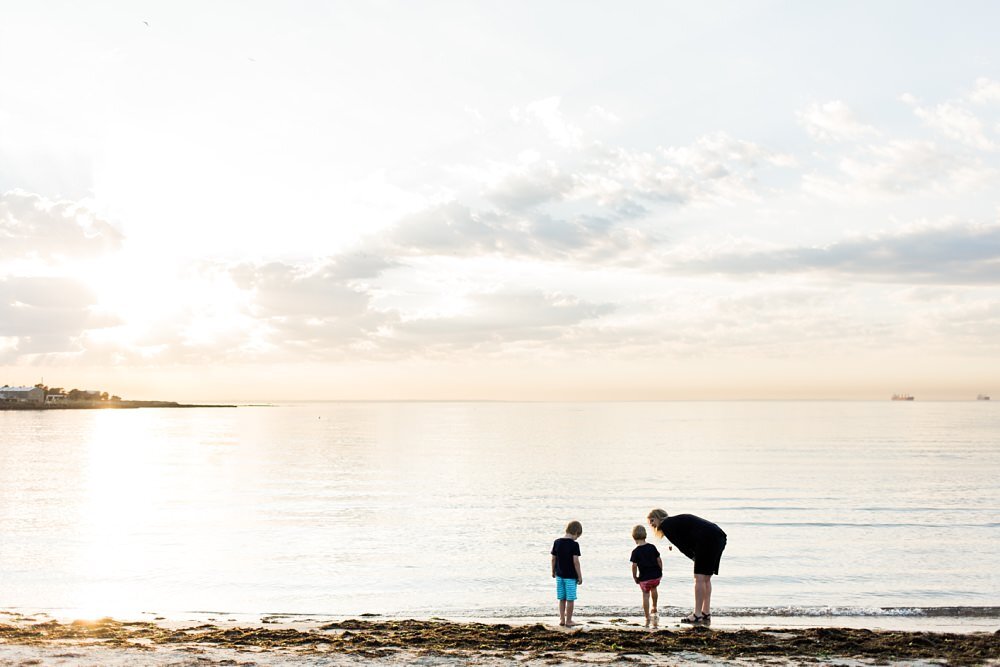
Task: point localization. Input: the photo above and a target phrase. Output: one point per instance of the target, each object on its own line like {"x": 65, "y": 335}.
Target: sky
{"x": 578, "y": 200}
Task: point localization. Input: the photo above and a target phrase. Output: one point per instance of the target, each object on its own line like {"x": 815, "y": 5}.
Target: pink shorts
{"x": 649, "y": 584}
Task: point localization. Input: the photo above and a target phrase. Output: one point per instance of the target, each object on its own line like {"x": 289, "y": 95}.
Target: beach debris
{"x": 381, "y": 638}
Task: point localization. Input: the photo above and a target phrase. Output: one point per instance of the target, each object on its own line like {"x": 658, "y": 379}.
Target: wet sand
{"x": 32, "y": 640}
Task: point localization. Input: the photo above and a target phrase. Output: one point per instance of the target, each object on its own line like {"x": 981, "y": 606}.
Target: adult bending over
{"x": 701, "y": 541}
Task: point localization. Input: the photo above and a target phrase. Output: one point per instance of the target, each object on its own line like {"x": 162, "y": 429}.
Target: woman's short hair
{"x": 659, "y": 515}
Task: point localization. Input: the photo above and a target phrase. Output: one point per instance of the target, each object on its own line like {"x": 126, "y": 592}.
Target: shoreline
{"x": 286, "y": 639}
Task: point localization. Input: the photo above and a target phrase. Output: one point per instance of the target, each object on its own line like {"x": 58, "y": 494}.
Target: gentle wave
{"x": 886, "y": 508}
{"x": 951, "y": 612}
{"x": 530, "y": 614}
{"x": 743, "y": 612}
{"x": 844, "y": 524}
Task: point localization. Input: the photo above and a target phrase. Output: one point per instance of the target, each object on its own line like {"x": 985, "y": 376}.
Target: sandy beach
{"x": 37, "y": 639}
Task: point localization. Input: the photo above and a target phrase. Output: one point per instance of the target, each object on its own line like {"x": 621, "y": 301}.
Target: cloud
{"x": 987, "y": 91}
{"x": 452, "y": 229}
{"x": 592, "y": 209}
{"x": 309, "y": 309}
{"x": 502, "y": 317}
{"x": 957, "y": 123}
{"x": 783, "y": 321}
{"x": 833, "y": 122}
{"x": 355, "y": 266}
{"x": 546, "y": 112}
{"x": 571, "y": 245}
{"x": 287, "y": 291}
{"x": 901, "y": 167}
{"x": 599, "y": 112}
{"x": 714, "y": 169}
{"x": 963, "y": 254}
{"x": 34, "y": 227}
{"x": 976, "y": 324}
{"x": 301, "y": 311}
{"x": 955, "y": 120}
{"x": 455, "y": 229}
{"x": 47, "y": 315}
{"x": 279, "y": 311}
{"x": 529, "y": 185}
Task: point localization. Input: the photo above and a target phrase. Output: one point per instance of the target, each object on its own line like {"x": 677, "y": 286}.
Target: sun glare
{"x": 147, "y": 304}
{"x": 120, "y": 481}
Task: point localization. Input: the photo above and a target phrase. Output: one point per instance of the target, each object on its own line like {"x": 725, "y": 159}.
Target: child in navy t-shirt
{"x": 647, "y": 569}
{"x": 566, "y": 570}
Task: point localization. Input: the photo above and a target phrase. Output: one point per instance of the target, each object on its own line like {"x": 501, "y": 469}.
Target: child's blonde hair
{"x": 574, "y": 528}
{"x": 638, "y": 533}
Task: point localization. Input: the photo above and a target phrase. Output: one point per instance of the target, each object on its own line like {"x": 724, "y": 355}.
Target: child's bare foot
{"x": 571, "y": 624}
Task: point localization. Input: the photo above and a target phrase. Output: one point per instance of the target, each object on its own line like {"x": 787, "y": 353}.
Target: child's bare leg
{"x": 562, "y": 612}
{"x": 569, "y": 613}
{"x": 655, "y": 597}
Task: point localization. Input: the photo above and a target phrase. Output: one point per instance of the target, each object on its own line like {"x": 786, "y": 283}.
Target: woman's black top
{"x": 687, "y": 532}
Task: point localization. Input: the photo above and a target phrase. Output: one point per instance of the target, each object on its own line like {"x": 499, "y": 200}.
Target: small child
{"x": 566, "y": 570}
{"x": 647, "y": 569}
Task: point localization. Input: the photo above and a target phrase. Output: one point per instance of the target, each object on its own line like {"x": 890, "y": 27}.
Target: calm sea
{"x": 424, "y": 509}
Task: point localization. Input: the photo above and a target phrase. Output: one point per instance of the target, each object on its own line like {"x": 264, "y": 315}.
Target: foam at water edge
{"x": 744, "y": 612}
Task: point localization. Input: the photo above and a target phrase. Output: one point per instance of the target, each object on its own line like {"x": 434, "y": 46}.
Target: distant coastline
{"x": 106, "y": 405}
{"x": 41, "y": 397}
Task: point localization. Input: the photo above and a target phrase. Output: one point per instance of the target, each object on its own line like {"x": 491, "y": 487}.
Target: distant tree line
{"x": 77, "y": 394}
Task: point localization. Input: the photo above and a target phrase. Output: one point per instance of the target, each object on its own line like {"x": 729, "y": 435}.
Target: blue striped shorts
{"x": 566, "y": 589}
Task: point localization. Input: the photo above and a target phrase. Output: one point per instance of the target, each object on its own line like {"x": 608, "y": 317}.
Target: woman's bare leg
{"x": 702, "y": 594}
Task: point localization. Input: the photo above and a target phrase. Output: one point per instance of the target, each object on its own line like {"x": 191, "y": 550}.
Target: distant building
{"x": 22, "y": 394}
{"x": 55, "y": 398}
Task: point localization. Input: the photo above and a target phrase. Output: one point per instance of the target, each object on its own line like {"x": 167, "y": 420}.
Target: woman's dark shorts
{"x": 707, "y": 557}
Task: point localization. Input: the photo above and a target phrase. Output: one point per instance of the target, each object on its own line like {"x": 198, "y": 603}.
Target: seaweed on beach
{"x": 375, "y": 638}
